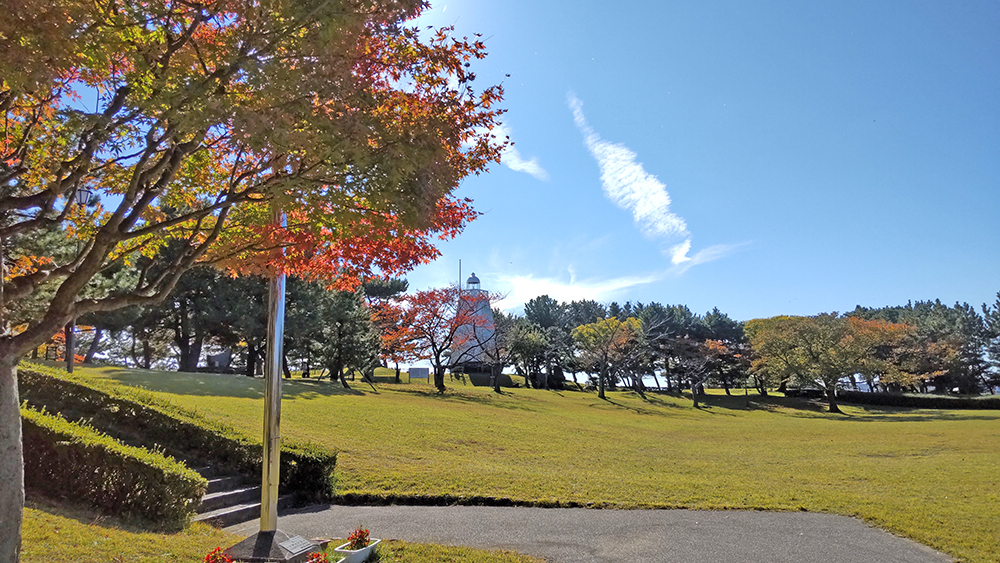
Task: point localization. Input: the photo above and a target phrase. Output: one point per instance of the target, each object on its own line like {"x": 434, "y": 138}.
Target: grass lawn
{"x": 933, "y": 476}
{"x": 57, "y": 533}
{"x": 393, "y": 551}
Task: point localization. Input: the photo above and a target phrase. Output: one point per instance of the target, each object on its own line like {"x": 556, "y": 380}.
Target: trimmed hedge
{"x": 895, "y": 400}
{"x": 70, "y": 460}
{"x": 136, "y": 416}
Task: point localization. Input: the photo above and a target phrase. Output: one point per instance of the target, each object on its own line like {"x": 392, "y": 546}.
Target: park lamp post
{"x": 82, "y": 198}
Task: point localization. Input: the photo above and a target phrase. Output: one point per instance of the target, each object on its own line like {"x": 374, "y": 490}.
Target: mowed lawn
{"x": 933, "y": 476}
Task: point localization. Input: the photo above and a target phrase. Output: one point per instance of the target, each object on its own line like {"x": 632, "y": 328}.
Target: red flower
{"x": 358, "y": 538}
{"x": 217, "y": 555}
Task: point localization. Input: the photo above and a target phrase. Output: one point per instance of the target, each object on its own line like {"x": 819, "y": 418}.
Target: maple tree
{"x": 444, "y": 323}
{"x": 388, "y": 317}
{"x": 193, "y": 122}
{"x": 397, "y": 338}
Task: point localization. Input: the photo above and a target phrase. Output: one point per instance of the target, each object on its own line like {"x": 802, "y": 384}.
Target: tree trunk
{"x": 495, "y": 371}
{"x": 694, "y": 393}
{"x": 600, "y": 380}
{"x": 251, "y": 359}
{"x": 147, "y": 354}
{"x": 11, "y": 463}
{"x": 831, "y": 397}
{"x": 70, "y": 354}
{"x": 439, "y": 378}
{"x": 339, "y": 371}
{"x": 725, "y": 384}
{"x": 284, "y": 367}
{"x": 183, "y": 353}
{"x": 135, "y": 358}
{"x": 94, "y": 344}
{"x": 195, "y": 352}
{"x": 397, "y": 372}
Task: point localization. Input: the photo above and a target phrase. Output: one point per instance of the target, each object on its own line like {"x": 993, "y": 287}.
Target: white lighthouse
{"x": 474, "y": 340}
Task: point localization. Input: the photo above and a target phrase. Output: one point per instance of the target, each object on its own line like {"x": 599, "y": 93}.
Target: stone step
{"x": 206, "y": 471}
{"x": 217, "y": 484}
{"x": 227, "y": 516}
{"x": 233, "y": 497}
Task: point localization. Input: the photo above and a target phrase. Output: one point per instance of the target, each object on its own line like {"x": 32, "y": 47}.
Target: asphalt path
{"x": 579, "y": 535}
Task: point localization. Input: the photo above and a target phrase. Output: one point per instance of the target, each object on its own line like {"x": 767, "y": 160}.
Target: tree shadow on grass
{"x": 507, "y": 401}
{"x": 224, "y": 385}
{"x": 637, "y": 410}
{"x": 755, "y": 402}
{"x": 90, "y": 516}
{"x": 903, "y": 414}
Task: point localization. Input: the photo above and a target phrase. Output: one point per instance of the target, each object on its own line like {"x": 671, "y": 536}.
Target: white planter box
{"x": 356, "y": 555}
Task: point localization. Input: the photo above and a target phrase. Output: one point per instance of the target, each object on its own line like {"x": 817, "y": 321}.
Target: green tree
{"x": 304, "y": 323}
{"x": 608, "y": 345}
{"x": 991, "y": 336}
{"x": 544, "y": 311}
{"x": 528, "y": 344}
{"x": 584, "y": 312}
{"x": 349, "y": 340}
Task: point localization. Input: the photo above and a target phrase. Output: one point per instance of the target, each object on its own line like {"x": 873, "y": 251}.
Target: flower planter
{"x": 356, "y": 555}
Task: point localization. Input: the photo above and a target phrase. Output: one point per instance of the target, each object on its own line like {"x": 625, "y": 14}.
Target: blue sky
{"x": 778, "y": 158}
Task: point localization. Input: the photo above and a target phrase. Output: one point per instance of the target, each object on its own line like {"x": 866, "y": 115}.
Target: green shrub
{"x": 896, "y": 400}
{"x": 66, "y": 459}
{"x": 136, "y": 416}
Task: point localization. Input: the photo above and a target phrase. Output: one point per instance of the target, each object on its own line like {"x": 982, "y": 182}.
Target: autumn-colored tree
{"x": 823, "y": 349}
{"x": 192, "y": 122}
{"x": 441, "y": 320}
{"x": 382, "y": 296}
{"x": 948, "y": 345}
{"x": 398, "y": 341}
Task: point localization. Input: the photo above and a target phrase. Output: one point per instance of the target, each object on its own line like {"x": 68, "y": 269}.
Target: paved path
{"x": 578, "y": 535}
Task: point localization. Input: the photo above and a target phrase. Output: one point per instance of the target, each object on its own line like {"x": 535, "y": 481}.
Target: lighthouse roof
{"x": 472, "y": 278}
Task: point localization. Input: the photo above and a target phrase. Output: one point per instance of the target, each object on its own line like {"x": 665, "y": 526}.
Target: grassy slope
{"x": 53, "y": 533}
{"x": 928, "y": 475}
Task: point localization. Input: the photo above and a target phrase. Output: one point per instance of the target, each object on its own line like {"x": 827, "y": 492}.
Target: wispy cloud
{"x": 682, "y": 262}
{"x": 627, "y": 183}
{"x": 511, "y": 157}
{"x": 520, "y": 289}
